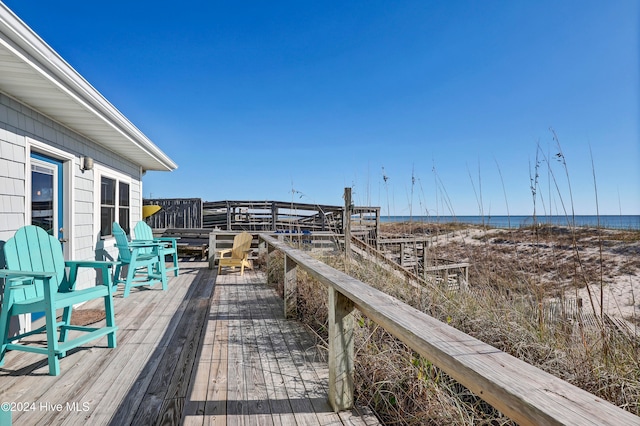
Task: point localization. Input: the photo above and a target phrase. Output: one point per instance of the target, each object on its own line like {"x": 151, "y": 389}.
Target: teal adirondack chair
{"x": 5, "y": 415}
{"x": 144, "y": 261}
{"x": 36, "y": 281}
{"x": 143, "y": 232}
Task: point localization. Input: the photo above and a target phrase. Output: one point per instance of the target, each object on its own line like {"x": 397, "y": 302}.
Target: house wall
{"x": 23, "y": 129}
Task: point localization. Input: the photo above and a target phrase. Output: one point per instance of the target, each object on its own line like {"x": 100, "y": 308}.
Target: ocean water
{"x": 607, "y": 221}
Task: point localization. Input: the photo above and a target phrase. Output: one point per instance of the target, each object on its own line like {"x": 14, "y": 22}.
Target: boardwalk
{"x": 208, "y": 351}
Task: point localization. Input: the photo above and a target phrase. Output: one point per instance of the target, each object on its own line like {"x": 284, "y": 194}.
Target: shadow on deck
{"x": 210, "y": 350}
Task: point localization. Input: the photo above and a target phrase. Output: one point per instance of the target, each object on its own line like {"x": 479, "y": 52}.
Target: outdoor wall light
{"x": 86, "y": 163}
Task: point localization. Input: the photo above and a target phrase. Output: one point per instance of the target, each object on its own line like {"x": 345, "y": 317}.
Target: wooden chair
{"x": 239, "y": 253}
{"x": 36, "y": 281}
{"x": 143, "y": 232}
{"x": 144, "y": 261}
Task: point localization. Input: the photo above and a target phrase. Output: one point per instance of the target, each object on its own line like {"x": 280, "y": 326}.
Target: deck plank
{"x": 211, "y": 350}
{"x": 151, "y": 344}
{"x": 148, "y": 341}
{"x": 195, "y": 405}
{"x": 304, "y": 361}
{"x": 165, "y": 393}
{"x": 216, "y": 395}
{"x": 80, "y": 370}
{"x": 192, "y": 329}
{"x": 259, "y": 407}
{"x": 281, "y": 409}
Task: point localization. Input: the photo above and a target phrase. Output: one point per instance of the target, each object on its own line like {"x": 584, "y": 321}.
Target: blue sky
{"x": 452, "y": 101}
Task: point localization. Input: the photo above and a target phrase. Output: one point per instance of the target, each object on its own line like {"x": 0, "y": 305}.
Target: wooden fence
{"x": 233, "y": 215}
{"x": 263, "y": 216}
{"x": 175, "y": 213}
{"x": 521, "y": 391}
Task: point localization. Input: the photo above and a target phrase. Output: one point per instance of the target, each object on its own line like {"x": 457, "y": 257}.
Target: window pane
{"x": 107, "y": 191}
{"x": 106, "y": 220}
{"x": 42, "y": 198}
{"x": 107, "y": 205}
{"x": 124, "y": 194}
{"x": 123, "y": 219}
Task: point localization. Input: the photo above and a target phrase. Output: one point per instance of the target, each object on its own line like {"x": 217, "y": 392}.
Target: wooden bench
{"x": 192, "y": 241}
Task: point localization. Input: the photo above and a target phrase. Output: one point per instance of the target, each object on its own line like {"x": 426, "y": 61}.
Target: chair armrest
{"x": 13, "y": 277}
{"x": 168, "y": 239}
{"x": 222, "y": 252}
{"x": 16, "y": 283}
{"x": 103, "y": 265}
{"x": 8, "y": 273}
{"x": 90, "y": 263}
{"x": 144, "y": 243}
{"x": 168, "y": 242}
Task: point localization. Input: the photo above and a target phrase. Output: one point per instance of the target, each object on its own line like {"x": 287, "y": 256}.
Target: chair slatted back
{"x": 122, "y": 243}
{"x": 32, "y": 249}
{"x": 241, "y": 243}
{"x": 142, "y": 231}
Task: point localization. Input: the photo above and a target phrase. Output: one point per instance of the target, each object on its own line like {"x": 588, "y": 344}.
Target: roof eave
{"x": 102, "y": 122}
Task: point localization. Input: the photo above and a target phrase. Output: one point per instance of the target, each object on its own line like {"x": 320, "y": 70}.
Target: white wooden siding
{"x": 19, "y": 125}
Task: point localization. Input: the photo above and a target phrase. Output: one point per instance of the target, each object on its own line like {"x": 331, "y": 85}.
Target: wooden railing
{"x": 318, "y": 241}
{"x": 521, "y": 391}
{"x": 445, "y": 270}
{"x": 262, "y": 216}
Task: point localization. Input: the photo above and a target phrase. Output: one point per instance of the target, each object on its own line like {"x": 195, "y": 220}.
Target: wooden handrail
{"x": 521, "y": 391}
{"x": 412, "y": 277}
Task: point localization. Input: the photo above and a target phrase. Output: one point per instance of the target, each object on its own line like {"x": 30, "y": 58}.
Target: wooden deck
{"x": 210, "y": 350}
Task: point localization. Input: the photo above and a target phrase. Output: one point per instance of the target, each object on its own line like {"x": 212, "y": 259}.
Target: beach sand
{"x": 561, "y": 261}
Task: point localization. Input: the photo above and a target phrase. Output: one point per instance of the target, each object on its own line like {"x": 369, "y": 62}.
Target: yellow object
{"x": 239, "y": 253}
{"x": 149, "y": 210}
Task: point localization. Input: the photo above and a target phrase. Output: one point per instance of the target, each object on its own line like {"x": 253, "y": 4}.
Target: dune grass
{"x": 513, "y": 274}
{"x": 537, "y": 292}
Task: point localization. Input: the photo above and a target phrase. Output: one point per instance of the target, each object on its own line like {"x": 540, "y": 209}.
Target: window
{"x": 109, "y": 207}
{"x": 43, "y": 196}
{"x": 123, "y": 207}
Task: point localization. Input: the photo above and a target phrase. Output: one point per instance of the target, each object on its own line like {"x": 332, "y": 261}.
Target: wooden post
{"x": 377, "y": 226}
{"x": 274, "y": 216}
{"x": 290, "y": 288}
{"x": 341, "y": 369}
{"x": 424, "y": 259}
{"x": 270, "y": 249}
{"x": 347, "y": 222}
{"x": 462, "y": 279}
{"x": 465, "y": 272}
{"x": 212, "y": 250}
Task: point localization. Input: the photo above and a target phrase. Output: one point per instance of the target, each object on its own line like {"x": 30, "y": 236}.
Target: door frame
{"x": 66, "y": 187}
